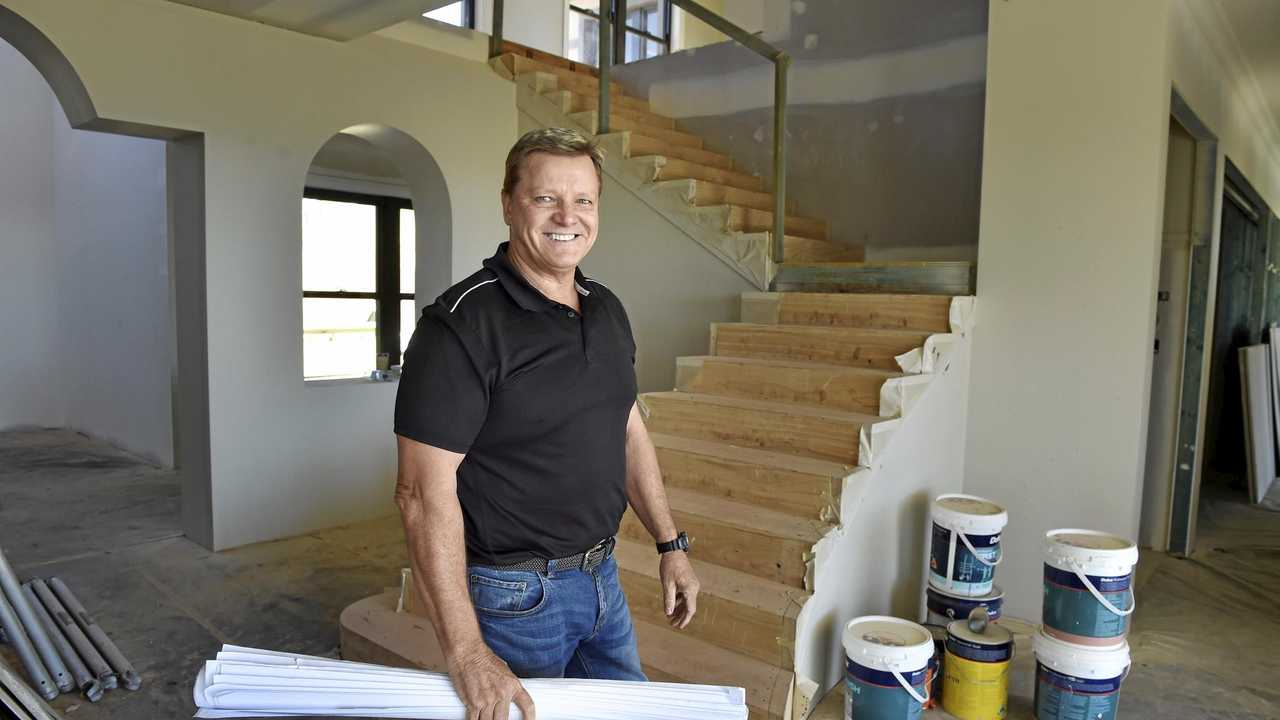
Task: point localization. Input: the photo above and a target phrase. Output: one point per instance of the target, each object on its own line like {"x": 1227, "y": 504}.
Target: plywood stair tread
{"x": 660, "y": 167}
{"x": 745, "y": 516}
{"x": 746, "y": 219}
{"x": 854, "y": 346}
{"x": 764, "y": 406}
{"x": 910, "y": 277}
{"x": 639, "y": 144}
{"x": 754, "y": 456}
{"x": 707, "y": 193}
{"x": 921, "y": 313}
{"x": 571, "y": 102}
{"x": 802, "y": 249}
{"x": 787, "y": 363}
{"x": 810, "y": 384}
{"x": 576, "y": 79}
{"x": 589, "y": 119}
{"x": 671, "y": 656}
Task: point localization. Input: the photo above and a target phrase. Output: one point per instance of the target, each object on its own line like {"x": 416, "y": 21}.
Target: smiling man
{"x": 521, "y": 445}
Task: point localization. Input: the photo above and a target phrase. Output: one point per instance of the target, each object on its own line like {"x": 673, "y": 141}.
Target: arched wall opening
{"x": 376, "y": 247}
{"x": 166, "y": 376}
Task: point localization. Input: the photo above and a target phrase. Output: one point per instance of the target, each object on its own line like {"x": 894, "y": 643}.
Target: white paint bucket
{"x": 1088, "y": 586}
{"x": 966, "y": 544}
{"x": 1077, "y": 681}
{"x": 887, "y": 659}
{"x": 943, "y": 608}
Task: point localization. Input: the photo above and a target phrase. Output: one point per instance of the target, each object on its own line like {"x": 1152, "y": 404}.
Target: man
{"x": 520, "y": 446}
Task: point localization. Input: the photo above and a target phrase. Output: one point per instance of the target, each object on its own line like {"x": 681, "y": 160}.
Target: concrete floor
{"x": 1204, "y": 636}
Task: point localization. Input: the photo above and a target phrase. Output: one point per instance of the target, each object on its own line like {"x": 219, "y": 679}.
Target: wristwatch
{"x": 680, "y": 543}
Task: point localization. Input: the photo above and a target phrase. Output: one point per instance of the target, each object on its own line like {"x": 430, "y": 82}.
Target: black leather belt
{"x": 584, "y": 561}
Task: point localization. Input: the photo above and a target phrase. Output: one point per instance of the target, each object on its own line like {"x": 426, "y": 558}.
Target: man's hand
{"x": 679, "y": 588}
{"x": 487, "y": 686}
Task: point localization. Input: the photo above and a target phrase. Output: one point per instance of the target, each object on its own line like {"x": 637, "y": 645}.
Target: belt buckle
{"x": 603, "y": 548}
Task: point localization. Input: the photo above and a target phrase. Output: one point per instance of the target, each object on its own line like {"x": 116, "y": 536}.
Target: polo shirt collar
{"x": 525, "y": 295}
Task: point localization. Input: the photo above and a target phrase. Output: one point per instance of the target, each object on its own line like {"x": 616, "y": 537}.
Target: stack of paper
{"x": 246, "y": 682}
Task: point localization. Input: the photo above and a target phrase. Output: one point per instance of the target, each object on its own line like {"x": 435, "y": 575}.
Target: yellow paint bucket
{"x": 976, "y": 672}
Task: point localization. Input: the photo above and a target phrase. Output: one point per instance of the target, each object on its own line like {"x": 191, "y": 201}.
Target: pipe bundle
{"x": 246, "y": 682}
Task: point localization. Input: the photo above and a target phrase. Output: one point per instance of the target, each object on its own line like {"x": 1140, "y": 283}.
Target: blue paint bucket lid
{"x": 1081, "y": 661}
{"x": 969, "y": 514}
{"x": 1090, "y": 552}
{"x": 888, "y": 644}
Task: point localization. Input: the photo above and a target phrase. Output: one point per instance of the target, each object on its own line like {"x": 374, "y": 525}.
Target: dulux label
{"x": 969, "y": 575}
{"x": 1065, "y": 697}
{"x": 1070, "y": 608}
{"x": 877, "y": 695}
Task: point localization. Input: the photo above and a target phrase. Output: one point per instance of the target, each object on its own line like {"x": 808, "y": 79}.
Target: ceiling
{"x": 1255, "y": 25}
{"x": 333, "y": 19}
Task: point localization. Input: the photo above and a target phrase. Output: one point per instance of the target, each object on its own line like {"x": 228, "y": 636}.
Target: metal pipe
{"x": 87, "y": 683}
{"x": 92, "y": 658}
{"x": 495, "y": 34}
{"x": 781, "y": 64}
{"x": 132, "y": 680}
{"x": 620, "y": 32}
{"x": 19, "y": 691}
{"x": 44, "y": 646}
{"x": 604, "y": 47}
{"x": 734, "y": 32}
{"x": 26, "y": 653}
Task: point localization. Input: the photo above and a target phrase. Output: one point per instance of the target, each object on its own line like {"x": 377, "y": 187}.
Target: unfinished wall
{"x": 286, "y": 457}
{"x": 885, "y": 116}
{"x": 1071, "y": 221}
{"x": 29, "y": 391}
{"x": 114, "y": 324}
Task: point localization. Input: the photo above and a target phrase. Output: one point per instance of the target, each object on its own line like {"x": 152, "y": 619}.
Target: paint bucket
{"x": 1076, "y": 681}
{"x": 939, "y": 634}
{"x": 966, "y": 544}
{"x": 976, "y": 681}
{"x": 887, "y": 659}
{"x": 944, "y": 608}
{"x": 1088, "y": 593}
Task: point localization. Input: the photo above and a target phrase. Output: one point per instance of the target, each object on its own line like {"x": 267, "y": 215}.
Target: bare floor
{"x": 107, "y": 524}
{"x": 1204, "y": 638}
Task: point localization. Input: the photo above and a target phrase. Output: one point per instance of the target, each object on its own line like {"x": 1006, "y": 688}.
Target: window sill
{"x": 335, "y": 382}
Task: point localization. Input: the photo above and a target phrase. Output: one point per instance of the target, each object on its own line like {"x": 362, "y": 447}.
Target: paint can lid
{"x": 1090, "y": 551}
{"x": 1082, "y": 661}
{"x": 888, "y": 643}
{"x": 969, "y": 514}
{"x": 996, "y": 594}
{"x": 992, "y": 636}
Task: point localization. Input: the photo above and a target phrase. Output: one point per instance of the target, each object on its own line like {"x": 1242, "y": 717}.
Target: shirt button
{"x": 573, "y": 314}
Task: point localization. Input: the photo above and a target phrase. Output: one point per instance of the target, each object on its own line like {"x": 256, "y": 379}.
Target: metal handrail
{"x": 611, "y": 34}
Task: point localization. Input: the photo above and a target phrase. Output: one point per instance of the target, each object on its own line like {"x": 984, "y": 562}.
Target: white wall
{"x": 875, "y": 564}
{"x": 287, "y": 458}
{"x": 114, "y": 334}
{"x": 29, "y": 391}
{"x": 1072, "y": 195}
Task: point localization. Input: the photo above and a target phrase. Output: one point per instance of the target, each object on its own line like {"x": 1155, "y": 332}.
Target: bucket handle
{"x": 1133, "y": 602}
{"x": 903, "y": 682}
{"x": 965, "y": 539}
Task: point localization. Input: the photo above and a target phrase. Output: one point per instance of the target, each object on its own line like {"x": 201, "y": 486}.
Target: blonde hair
{"x": 556, "y": 141}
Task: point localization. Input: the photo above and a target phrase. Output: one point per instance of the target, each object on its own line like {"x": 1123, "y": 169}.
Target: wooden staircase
{"x": 718, "y": 193}
{"x": 759, "y": 435}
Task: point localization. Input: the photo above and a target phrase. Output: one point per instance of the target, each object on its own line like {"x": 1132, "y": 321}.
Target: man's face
{"x": 552, "y": 211}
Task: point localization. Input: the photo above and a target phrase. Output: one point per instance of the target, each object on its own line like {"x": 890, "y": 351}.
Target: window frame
{"x": 620, "y": 52}
{"x": 387, "y": 292}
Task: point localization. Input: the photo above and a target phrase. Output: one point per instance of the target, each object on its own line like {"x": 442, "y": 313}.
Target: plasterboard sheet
{"x": 1260, "y": 438}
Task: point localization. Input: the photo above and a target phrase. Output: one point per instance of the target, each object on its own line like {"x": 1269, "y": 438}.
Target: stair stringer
{"x": 874, "y": 561}
{"x": 746, "y": 253}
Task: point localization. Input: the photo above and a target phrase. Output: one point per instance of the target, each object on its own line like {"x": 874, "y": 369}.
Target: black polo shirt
{"x": 537, "y": 396}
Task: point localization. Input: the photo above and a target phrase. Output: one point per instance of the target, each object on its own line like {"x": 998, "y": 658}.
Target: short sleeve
{"x": 445, "y": 382}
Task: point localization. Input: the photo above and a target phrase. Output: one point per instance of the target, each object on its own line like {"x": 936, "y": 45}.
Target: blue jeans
{"x": 561, "y": 623}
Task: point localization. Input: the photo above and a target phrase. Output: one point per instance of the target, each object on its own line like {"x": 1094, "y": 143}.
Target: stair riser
{"x": 803, "y": 386}
{"x": 929, "y": 279}
{"x": 818, "y": 437}
{"x": 644, "y": 145}
{"x": 782, "y": 490}
{"x": 719, "y": 621}
{"x": 772, "y": 558}
{"x": 885, "y": 312}
{"x": 706, "y": 193}
{"x": 578, "y": 82}
{"x": 850, "y": 347}
{"x": 753, "y": 220}
{"x": 619, "y": 122}
{"x": 802, "y": 249}
{"x": 676, "y": 169}
{"x": 571, "y": 102}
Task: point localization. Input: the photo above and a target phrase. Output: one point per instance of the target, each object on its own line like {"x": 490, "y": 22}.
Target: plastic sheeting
{"x": 248, "y": 682}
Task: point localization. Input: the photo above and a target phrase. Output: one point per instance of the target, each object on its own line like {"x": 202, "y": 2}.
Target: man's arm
{"x": 648, "y": 498}
{"x": 427, "y": 494}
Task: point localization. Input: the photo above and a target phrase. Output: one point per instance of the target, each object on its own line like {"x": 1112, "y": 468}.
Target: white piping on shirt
{"x": 468, "y": 292}
{"x": 606, "y": 287}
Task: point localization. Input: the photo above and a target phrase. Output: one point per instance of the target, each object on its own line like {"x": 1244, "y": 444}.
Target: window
{"x": 461, "y": 13}
{"x": 358, "y": 262}
{"x": 648, "y": 32}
